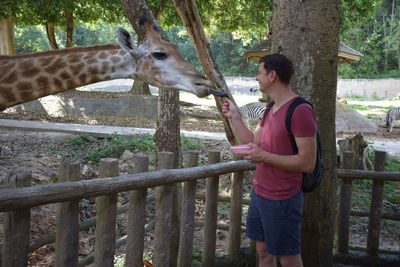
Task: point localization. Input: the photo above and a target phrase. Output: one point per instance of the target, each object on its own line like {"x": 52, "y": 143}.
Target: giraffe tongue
{"x": 217, "y": 93}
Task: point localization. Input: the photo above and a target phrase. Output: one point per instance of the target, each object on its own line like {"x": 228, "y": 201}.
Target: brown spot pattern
{"x": 58, "y": 83}
{"x": 76, "y": 69}
{"x": 105, "y": 67}
{"x": 42, "y": 81}
{"x": 5, "y": 69}
{"x": 74, "y": 58}
{"x": 57, "y": 65}
{"x": 82, "y": 78}
{"x": 10, "y": 78}
{"x": 9, "y": 96}
{"x": 91, "y": 61}
{"x": 26, "y": 96}
{"x": 115, "y": 59}
{"x": 30, "y": 72}
{"x": 44, "y": 61}
{"x": 93, "y": 70}
{"x": 71, "y": 83}
{"x": 145, "y": 67}
{"x": 25, "y": 65}
{"x": 24, "y": 86}
{"x": 65, "y": 75}
{"x": 103, "y": 55}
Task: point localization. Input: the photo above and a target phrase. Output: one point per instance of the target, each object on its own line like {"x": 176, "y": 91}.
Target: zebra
{"x": 392, "y": 115}
{"x": 252, "y": 113}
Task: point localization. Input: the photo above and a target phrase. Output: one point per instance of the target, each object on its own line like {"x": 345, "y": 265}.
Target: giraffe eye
{"x": 159, "y": 55}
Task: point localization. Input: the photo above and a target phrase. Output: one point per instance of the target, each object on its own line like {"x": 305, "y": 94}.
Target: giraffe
{"x": 27, "y": 77}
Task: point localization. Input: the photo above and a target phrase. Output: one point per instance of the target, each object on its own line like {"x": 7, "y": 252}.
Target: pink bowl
{"x": 240, "y": 148}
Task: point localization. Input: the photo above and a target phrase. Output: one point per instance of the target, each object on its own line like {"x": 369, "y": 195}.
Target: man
{"x": 275, "y": 212}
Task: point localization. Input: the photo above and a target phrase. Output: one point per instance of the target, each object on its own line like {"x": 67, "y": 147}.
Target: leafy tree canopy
{"x": 39, "y": 12}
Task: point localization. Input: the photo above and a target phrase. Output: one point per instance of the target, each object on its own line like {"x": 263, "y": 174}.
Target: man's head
{"x": 280, "y": 64}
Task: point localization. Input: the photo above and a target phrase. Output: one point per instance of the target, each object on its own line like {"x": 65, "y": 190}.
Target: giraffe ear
{"x": 126, "y": 42}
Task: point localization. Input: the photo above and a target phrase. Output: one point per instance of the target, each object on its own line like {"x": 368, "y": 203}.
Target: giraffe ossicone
{"x": 27, "y": 77}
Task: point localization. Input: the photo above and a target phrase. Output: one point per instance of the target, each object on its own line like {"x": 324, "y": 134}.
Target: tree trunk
{"x": 357, "y": 145}
{"x": 189, "y": 13}
{"x": 159, "y": 10}
{"x": 51, "y": 36}
{"x": 69, "y": 28}
{"x": 299, "y": 30}
{"x": 7, "y": 47}
{"x": 140, "y": 88}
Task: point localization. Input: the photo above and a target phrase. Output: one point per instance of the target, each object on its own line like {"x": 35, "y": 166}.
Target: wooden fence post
{"x": 345, "y": 205}
{"x": 164, "y": 209}
{"x": 106, "y": 218}
{"x": 16, "y": 227}
{"x": 188, "y": 214}
{"x": 235, "y": 216}
{"x": 210, "y": 221}
{"x": 374, "y": 223}
{"x": 67, "y": 218}
{"x": 137, "y": 217}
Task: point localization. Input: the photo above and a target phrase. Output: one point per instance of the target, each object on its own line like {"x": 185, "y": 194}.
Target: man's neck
{"x": 282, "y": 94}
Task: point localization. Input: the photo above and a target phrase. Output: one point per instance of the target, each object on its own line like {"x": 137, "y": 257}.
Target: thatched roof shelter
{"x": 346, "y": 54}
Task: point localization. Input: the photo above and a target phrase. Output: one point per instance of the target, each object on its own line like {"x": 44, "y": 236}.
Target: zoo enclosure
{"x": 18, "y": 202}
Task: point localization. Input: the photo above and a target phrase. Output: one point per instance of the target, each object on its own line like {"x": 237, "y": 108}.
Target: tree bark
{"x": 69, "y": 42}
{"x": 160, "y": 8}
{"x": 189, "y": 13}
{"x": 51, "y": 35}
{"x": 7, "y": 47}
{"x": 299, "y": 30}
{"x": 140, "y": 88}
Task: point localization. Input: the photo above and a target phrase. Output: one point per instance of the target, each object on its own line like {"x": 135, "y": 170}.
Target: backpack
{"x": 310, "y": 180}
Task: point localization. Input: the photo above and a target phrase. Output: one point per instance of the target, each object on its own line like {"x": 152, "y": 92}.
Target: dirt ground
{"x": 41, "y": 153}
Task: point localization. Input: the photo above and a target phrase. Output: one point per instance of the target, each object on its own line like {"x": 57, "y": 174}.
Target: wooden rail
{"x": 375, "y": 213}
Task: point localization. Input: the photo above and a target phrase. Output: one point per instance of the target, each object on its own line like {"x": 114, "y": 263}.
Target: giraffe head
{"x": 160, "y": 63}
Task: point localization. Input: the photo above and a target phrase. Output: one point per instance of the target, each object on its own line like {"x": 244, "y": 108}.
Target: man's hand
{"x": 229, "y": 109}
{"x": 255, "y": 155}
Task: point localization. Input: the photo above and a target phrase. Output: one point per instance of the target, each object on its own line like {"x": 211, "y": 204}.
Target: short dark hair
{"x": 281, "y": 64}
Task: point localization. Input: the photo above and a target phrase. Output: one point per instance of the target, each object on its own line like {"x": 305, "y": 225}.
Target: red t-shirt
{"x": 271, "y": 182}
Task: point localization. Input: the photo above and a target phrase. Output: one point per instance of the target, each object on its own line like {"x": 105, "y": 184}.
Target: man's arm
{"x": 244, "y": 134}
{"x": 304, "y": 161}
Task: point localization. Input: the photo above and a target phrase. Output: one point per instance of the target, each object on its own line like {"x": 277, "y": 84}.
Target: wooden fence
{"x": 375, "y": 215}
{"x": 17, "y": 199}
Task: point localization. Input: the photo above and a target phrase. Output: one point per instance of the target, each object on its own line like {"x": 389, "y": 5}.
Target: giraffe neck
{"x": 28, "y": 77}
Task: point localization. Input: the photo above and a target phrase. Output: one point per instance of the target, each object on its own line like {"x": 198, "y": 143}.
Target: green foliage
{"x": 81, "y": 140}
{"x": 116, "y": 144}
{"x": 378, "y": 38}
{"x": 190, "y": 143}
{"x": 30, "y": 39}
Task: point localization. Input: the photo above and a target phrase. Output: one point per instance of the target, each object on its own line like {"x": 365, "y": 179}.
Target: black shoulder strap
{"x": 288, "y": 122}
{"x": 267, "y": 109}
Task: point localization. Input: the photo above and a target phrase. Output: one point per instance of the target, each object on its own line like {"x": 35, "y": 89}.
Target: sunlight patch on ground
{"x": 241, "y": 99}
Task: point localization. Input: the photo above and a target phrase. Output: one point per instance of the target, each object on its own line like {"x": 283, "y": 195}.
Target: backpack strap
{"x": 268, "y": 107}
{"x": 288, "y": 121}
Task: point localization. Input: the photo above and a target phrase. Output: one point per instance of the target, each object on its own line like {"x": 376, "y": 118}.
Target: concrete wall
{"x": 370, "y": 88}
{"x": 124, "y": 107}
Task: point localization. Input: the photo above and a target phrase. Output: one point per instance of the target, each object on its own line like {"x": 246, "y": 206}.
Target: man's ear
{"x": 273, "y": 75}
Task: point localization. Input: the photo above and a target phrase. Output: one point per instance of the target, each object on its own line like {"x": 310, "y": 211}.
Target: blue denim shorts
{"x": 277, "y": 223}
